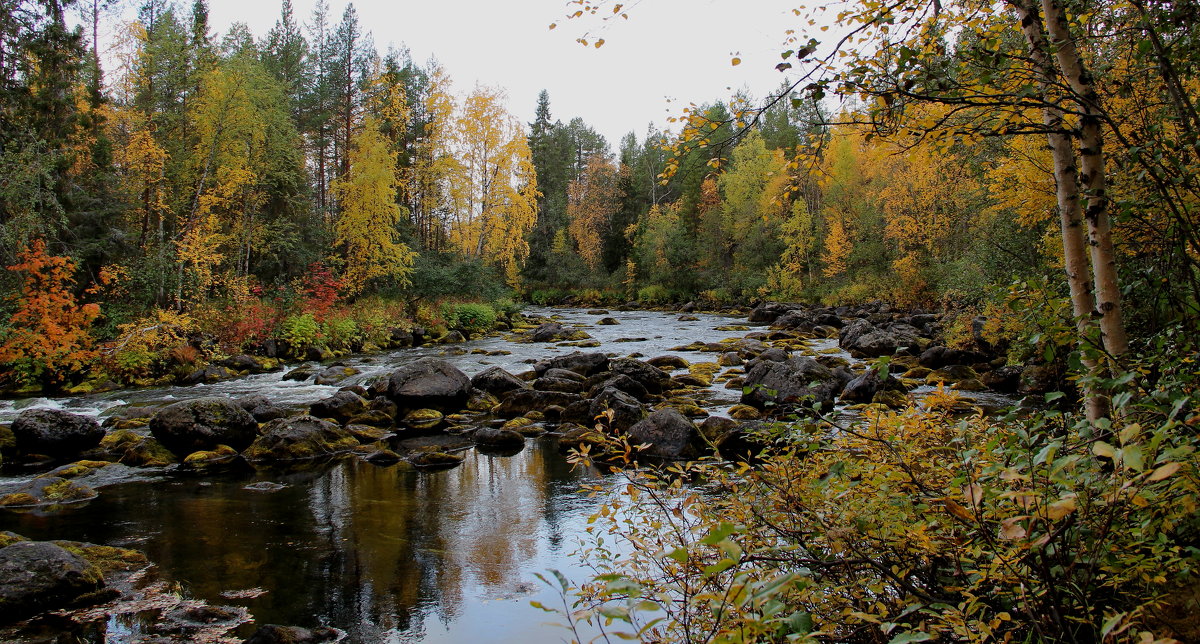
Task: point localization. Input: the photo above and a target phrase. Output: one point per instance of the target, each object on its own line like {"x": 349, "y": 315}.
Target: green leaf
{"x": 1133, "y": 458}
{"x": 718, "y": 534}
{"x": 1054, "y": 395}
{"x": 678, "y": 554}
{"x": 1104, "y": 450}
{"x": 719, "y": 567}
{"x": 800, "y": 623}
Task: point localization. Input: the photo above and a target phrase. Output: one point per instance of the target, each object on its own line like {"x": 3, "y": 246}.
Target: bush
{"x": 470, "y": 318}
{"x": 340, "y": 332}
{"x": 506, "y": 307}
{"x": 300, "y": 331}
{"x": 653, "y": 294}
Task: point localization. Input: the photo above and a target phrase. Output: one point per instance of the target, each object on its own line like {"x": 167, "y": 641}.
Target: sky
{"x": 667, "y": 49}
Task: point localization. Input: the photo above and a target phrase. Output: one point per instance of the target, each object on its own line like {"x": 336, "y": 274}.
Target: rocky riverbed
{"x": 193, "y": 476}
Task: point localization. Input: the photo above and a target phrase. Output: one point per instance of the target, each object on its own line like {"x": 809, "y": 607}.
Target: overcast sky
{"x": 678, "y": 49}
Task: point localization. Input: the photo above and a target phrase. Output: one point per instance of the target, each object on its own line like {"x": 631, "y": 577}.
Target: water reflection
{"x": 388, "y": 554}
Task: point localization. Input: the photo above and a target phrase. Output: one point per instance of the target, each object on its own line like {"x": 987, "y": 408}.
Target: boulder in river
{"x": 652, "y": 378}
{"x": 202, "y": 424}
{"x": 37, "y": 576}
{"x": 56, "y": 433}
{"x": 798, "y": 381}
{"x": 261, "y": 408}
{"x": 584, "y": 364}
{"x": 131, "y": 448}
{"x": 622, "y": 409}
{"x": 273, "y": 634}
{"x": 299, "y": 438}
{"x": 669, "y": 434}
{"x": 521, "y": 401}
{"x": 429, "y": 383}
{"x": 340, "y": 407}
{"x": 334, "y": 374}
{"x": 863, "y": 388}
{"x": 495, "y": 380}
{"x": 47, "y": 490}
{"x": 498, "y": 438}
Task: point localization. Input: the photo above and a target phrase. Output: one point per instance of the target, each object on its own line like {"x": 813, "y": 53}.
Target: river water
{"x": 387, "y": 554}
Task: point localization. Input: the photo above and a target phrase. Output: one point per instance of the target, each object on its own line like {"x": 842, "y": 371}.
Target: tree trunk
{"x": 1067, "y": 192}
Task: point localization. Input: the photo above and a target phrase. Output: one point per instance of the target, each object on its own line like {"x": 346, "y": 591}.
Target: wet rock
{"x": 607, "y": 322}
{"x": 683, "y": 380}
{"x": 623, "y": 383}
{"x": 218, "y": 457}
{"x": 206, "y": 374}
{"x": 585, "y": 364}
{"x": 863, "y": 388}
{"x": 429, "y": 383}
{"x": 368, "y": 433}
{"x": 552, "y": 332}
{"x": 576, "y": 436}
{"x": 496, "y": 381}
{"x": 861, "y": 338}
{"x": 47, "y": 490}
{"x": 498, "y": 437}
{"x": 272, "y": 634}
{"x": 299, "y": 438}
{"x": 744, "y": 412}
{"x": 37, "y": 576}
{"x": 729, "y": 359}
{"x": 554, "y": 383}
{"x": 688, "y": 318}
{"x": 243, "y": 362}
{"x": 652, "y": 378}
{"x": 202, "y": 424}
{"x": 55, "y": 433}
{"x": 668, "y": 362}
{"x": 482, "y": 401}
{"x": 453, "y": 337}
{"x": 625, "y": 409}
{"x": 798, "y": 381}
{"x": 1006, "y": 379}
{"x": 669, "y": 434}
{"x": 301, "y": 373}
{"x": 436, "y": 460}
{"x": 340, "y": 407}
{"x": 334, "y": 374}
{"x": 773, "y": 354}
{"x": 372, "y": 418}
{"x": 261, "y": 408}
{"x": 951, "y": 374}
{"x": 317, "y": 353}
{"x": 747, "y": 348}
{"x": 135, "y": 450}
{"x": 767, "y": 312}
{"x": 524, "y": 426}
{"x": 519, "y": 402}
{"x": 890, "y": 398}
{"x": 423, "y": 420}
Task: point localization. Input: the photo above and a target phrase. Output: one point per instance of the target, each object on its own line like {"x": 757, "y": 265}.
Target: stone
{"x": 521, "y": 401}
{"x": 863, "y": 388}
{"x": 495, "y": 380}
{"x": 669, "y": 434}
{"x": 429, "y": 383}
{"x": 626, "y": 410}
{"x": 55, "y": 432}
{"x": 668, "y": 362}
{"x": 261, "y": 408}
{"x": 38, "y": 576}
{"x": 135, "y": 450}
{"x": 550, "y": 332}
{"x": 498, "y": 437}
{"x": 584, "y": 364}
{"x": 273, "y": 634}
{"x": 729, "y": 359}
{"x": 243, "y": 362}
{"x": 423, "y": 420}
{"x": 652, "y": 378}
{"x": 334, "y": 374}
{"x": 47, "y": 490}
{"x": 607, "y": 322}
{"x": 436, "y": 460}
{"x": 744, "y": 412}
{"x": 767, "y": 312}
{"x": 798, "y": 381}
{"x": 299, "y": 438}
{"x": 301, "y": 373}
{"x": 622, "y": 382}
{"x": 202, "y": 424}
{"x": 567, "y": 385}
{"x": 206, "y": 374}
{"x": 340, "y": 407}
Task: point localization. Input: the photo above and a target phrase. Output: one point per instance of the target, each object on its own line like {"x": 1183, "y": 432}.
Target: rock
{"x": 669, "y": 434}
{"x": 688, "y": 318}
{"x": 863, "y": 339}
{"x": 575, "y": 436}
{"x": 340, "y": 407}
{"x": 299, "y": 438}
{"x": 372, "y": 418}
{"x": 550, "y": 332}
{"x": 623, "y": 383}
{"x": 584, "y": 364}
{"x": 47, "y": 490}
{"x": 519, "y": 402}
{"x": 729, "y": 359}
{"x": 970, "y": 384}
{"x": 560, "y": 380}
{"x": 202, "y": 424}
{"x": 700, "y": 381}
{"x": 261, "y": 408}
{"x": 1006, "y": 379}
{"x": 436, "y": 460}
{"x": 243, "y": 362}
{"x": 652, "y": 378}
{"x": 747, "y": 348}
{"x": 863, "y": 388}
{"x": 496, "y": 381}
{"x": 668, "y": 362}
{"x": 219, "y": 456}
{"x": 423, "y": 420}
{"x": 626, "y": 410}
{"x": 135, "y": 450}
{"x": 482, "y": 401}
{"x": 950, "y": 375}
{"x": 368, "y": 433}
{"x": 453, "y": 337}
{"x": 334, "y": 374}
{"x": 744, "y": 412}
{"x": 891, "y": 398}
{"x": 272, "y": 634}
{"x": 498, "y": 438}
{"x": 56, "y": 433}
{"x": 300, "y": 374}
{"x": 38, "y": 576}
{"x": 429, "y": 383}
{"x": 206, "y": 374}
{"x": 798, "y": 381}
{"x": 607, "y": 321}
{"x": 317, "y": 353}
{"x": 794, "y": 319}
{"x": 939, "y": 356}
{"x": 767, "y": 312}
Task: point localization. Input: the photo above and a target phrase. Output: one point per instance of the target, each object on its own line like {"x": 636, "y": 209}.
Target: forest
{"x": 1026, "y": 170}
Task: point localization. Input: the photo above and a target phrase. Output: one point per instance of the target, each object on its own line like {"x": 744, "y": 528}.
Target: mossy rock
{"x": 697, "y": 380}
{"x": 736, "y": 383}
{"x": 107, "y": 559}
{"x": 729, "y": 359}
{"x": 970, "y": 384}
{"x": 206, "y": 458}
{"x": 583, "y": 344}
{"x": 704, "y": 368}
{"x": 7, "y": 439}
{"x": 18, "y": 500}
{"x": 575, "y": 436}
{"x": 690, "y": 410}
{"x": 890, "y": 398}
{"x": 482, "y": 401}
{"x": 436, "y": 460}
{"x": 136, "y": 450}
{"x": 368, "y": 433}
{"x": 51, "y": 490}
{"x": 607, "y": 322}
{"x": 9, "y": 538}
{"x": 75, "y": 470}
{"x": 688, "y": 318}
{"x": 695, "y": 346}
{"x": 298, "y": 439}
{"x": 917, "y": 373}
{"x": 535, "y": 415}
{"x": 744, "y": 412}
{"x": 732, "y": 327}
{"x": 424, "y": 419}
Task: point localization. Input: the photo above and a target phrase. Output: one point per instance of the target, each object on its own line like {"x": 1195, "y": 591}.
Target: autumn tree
{"x": 592, "y": 200}
{"x": 48, "y": 339}
{"x": 367, "y": 231}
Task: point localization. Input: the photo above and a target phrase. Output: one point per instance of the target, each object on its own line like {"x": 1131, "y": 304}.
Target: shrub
{"x": 340, "y": 332}
{"x": 144, "y": 345}
{"x": 471, "y": 318}
{"x": 506, "y": 307}
{"x": 300, "y": 331}
{"x": 653, "y": 294}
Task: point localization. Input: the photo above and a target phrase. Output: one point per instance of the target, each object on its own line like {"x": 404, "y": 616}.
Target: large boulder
{"x": 202, "y": 424}
{"x": 798, "y": 381}
{"x": 299, "y": 438}
{"x": 584, "y": 364}
{"x": 554, "y": 332}
{"x": 655, "y": 380}
{"x": 622, "y": 382}
{"x": 429, "y": 383}
{"x": 862, "y": 389}
{"x": 669, "y": 434}
{"x": 56, "y": 433}
{"x": 37, "y": 576}
{"x": 495, "y": 380}
{"x": 522, "y": 401}
{"x": 261, "y": 408}
{"x": 768, "y": 312}
{"x": 273, "y": 634}
{"x": 625, "y": 409}
{"x": 863, "y": 339}
{"x": 341, "y": 406}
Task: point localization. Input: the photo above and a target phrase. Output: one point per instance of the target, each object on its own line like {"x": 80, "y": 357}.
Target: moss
{"x": 7, "y": 440}
{"x": 9, "y": 538}
{"x": 76, "y": 470}
{"x": 207, "y": 457}
{"x": 917, "y": 373}
{"x": 482, "y": 401}
{"x": 424, "y": 419}
{"x": 16, "y": 500}
{"x": 436, "y": 459}
{"x": 367, "y": 433}
{"x": 744, "y": 412}
{"x": 891, "y": 398}
{"x": 107, "y": 559}
{"x": 970, "y": 384}
{"x": 731, "y": 327}
{"x": 66, "y": 491}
